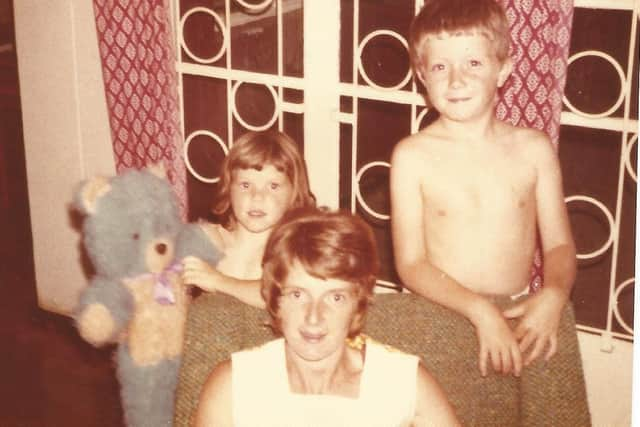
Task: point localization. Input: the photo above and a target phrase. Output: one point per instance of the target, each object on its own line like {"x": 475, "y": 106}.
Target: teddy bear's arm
{"x": 193, "y": 241}
{"x": 103, "y": 311}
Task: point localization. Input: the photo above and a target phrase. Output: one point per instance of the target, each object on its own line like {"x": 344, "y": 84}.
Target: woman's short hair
{"x": 459, "y": 16}
{"x": 254, "y": 150}
{"x": 328, "y": 245}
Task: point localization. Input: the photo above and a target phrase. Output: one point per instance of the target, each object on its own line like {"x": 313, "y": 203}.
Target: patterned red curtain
{"x": 540, "y": 33}
{"x": 135, "y": 43}
{"x": 532, "y": 97}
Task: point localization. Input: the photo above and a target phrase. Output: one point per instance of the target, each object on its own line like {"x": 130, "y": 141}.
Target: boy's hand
{"x": 540, "y": 316}
{"x": 198, "y": 272}
{"x": 496, "y": 341}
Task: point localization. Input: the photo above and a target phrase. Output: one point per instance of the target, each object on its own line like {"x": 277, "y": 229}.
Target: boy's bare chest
{"x": 479, "y": 184}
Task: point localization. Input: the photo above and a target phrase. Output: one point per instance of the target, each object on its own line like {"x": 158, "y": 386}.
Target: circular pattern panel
{"x": 188, "y": 161}
{"x": 361, "y": 68}
{"x": 627, "y": 157}
{"x": 609, "y": 217}
{"x": 254, "y": 96}
{"x": 621, "y": 76}
{"x": 255, "y": 7}
{"x": 218, "y": 21}
{"x": 616, "y": 307}
{"x": 359, "y": 196}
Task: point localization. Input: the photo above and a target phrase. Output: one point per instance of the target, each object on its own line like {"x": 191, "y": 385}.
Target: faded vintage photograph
{"x": 318, "y": 213}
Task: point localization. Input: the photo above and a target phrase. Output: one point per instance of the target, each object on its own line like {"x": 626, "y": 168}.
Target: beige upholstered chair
{"x": 546, "y": 394}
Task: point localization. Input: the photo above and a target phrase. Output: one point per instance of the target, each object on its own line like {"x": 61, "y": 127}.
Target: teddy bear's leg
{"x": 147, "y": 392}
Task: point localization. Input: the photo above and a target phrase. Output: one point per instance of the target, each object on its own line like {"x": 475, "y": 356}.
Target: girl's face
{"x": 259, "y": 198}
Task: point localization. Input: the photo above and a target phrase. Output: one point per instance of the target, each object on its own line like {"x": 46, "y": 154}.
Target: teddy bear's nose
{"x": 161, "y": 248}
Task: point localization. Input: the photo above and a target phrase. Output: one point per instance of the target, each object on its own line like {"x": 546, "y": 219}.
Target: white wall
{"x": 66, "y": 133}
{"x": 608, "y": 378}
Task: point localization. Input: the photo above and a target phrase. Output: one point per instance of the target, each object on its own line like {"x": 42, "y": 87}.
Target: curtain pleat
{"x": 140, "y": 81}
{"x": 532, "y": 97}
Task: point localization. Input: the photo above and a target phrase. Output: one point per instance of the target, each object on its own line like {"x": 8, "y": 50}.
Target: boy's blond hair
{"x": 459, "y": 16}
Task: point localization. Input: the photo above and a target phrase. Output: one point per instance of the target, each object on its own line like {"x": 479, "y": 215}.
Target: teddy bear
{"x": 135, "y": 239}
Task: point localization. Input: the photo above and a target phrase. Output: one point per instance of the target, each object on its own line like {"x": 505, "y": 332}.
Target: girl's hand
{"x": 201, "y": 274}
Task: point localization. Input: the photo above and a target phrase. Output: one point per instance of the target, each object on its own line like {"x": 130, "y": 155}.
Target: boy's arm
{"x": 496, "y": 340}
{"x": 198, "y": 272}
{"x": 540, "y": 314}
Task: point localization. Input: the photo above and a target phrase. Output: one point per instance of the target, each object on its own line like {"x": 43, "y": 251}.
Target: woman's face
{"x": 315, "y": 314}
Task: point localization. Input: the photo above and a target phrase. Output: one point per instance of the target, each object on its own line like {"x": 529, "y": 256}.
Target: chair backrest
{"x": 217, "y": 325}
{"x": 551, "y": 393}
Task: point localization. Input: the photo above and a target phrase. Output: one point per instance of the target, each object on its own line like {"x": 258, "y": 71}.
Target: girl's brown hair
{"x": 254, "y": 150}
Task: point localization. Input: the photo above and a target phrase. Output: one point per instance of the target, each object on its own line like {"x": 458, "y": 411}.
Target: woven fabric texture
{"x": 547, "y": 394}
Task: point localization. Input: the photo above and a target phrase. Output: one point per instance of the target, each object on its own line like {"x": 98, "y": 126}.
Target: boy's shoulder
{"x": 411, "y": 151}
{"x": 523, "y": 139}
{"x": 421, "y": 141}
{"x": 533, "y": 142}
{"x": 527, "y": 135}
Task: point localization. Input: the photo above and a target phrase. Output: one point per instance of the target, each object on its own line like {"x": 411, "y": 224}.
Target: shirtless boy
{"x": 478, "y": 191}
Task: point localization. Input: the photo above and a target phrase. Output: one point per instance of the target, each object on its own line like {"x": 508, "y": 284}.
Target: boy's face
{"x": 461, "y": 74}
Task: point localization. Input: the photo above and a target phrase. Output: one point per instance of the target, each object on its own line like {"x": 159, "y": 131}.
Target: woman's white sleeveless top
{"x": 261, "y": 396}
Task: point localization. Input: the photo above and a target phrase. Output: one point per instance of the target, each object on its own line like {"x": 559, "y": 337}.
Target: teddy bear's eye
{"x": 135, "y": 236}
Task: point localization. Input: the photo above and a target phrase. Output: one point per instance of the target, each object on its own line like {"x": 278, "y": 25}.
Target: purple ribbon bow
{"x": 162, "y": 291}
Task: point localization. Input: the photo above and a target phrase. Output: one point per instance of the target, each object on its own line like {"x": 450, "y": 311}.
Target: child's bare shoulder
{"x": 414, "y": 147}
{"x": 218, "y": 235}
{"x": 534, "y": 144}
{"x": 528, "y": 136}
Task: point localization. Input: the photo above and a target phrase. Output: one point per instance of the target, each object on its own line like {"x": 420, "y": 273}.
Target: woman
{"x": 318, "y": 275}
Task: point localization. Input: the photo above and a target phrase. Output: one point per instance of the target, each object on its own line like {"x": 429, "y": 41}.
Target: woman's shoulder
{"x": 249, "y": 364}
{"x": 215, "y": 399}
{"x": 386, "y": 350}
{"x": 381, "y": 359}
{"x": 270, "y": 349}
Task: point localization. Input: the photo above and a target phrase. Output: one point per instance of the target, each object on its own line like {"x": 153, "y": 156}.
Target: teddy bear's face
{"x": 133, "y": 226}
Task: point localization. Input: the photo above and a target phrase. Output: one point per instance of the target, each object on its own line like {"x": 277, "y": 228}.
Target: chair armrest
{"x": 448, "y": 346}
{"x": 217, "y": 325}
{"x": 554, "y": 392}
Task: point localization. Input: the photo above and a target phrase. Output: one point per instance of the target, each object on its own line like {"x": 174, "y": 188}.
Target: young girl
{"x": 263, "y": 176}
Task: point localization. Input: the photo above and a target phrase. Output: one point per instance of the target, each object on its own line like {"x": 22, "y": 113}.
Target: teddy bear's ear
{"x": 89, "y": 193}
{"x": 158, "y": 170}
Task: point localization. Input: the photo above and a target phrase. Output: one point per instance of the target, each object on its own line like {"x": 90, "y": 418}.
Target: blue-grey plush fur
{"x": 138, "y": 208}
{"x": 133, "y": 195}
{"x": 114, "y": 296}
{"x": 147, "y": 392}
{"x": 192, "y": 240}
